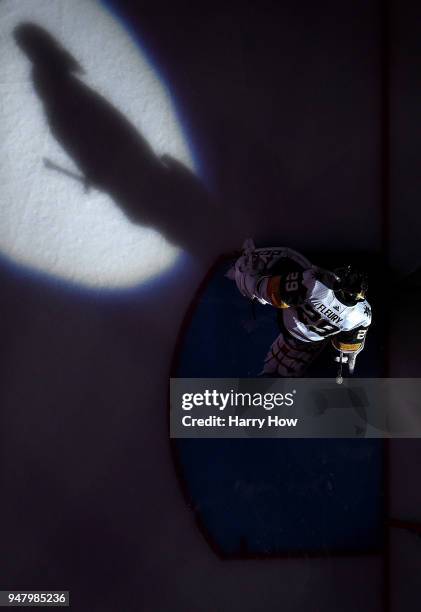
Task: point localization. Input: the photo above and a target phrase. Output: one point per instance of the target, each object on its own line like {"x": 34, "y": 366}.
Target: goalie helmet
{"x": 351, "y": 285}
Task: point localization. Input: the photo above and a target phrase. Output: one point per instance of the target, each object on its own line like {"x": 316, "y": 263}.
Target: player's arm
{"x": 256, "y": 280}
{"x": 286, "y": 289}
{"x": 280, "y": 291}
{"x": 350, "y": 341}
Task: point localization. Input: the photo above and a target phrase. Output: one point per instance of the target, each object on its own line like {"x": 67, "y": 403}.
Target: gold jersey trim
{"x": 273, "y": 291}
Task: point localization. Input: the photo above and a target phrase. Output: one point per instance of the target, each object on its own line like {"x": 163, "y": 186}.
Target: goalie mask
{"x": 351, "y": 285}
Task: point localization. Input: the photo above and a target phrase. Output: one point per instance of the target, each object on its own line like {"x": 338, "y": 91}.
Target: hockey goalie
{"x": 316, "y": 306}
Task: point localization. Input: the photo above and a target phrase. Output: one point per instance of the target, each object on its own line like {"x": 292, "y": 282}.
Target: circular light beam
{"x": 50, "y": 220}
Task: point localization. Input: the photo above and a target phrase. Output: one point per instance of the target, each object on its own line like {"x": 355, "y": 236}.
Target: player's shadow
{"x": 158, "y": 192}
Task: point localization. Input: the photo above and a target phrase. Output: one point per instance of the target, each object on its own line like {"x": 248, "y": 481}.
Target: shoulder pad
{"x": 365, "y": 309}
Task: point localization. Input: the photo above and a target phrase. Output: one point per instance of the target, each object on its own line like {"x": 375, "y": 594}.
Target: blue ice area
{"x": 267, "y": 496}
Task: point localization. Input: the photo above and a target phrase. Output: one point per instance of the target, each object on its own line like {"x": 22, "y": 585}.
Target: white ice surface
{"x": 47, "y": 221}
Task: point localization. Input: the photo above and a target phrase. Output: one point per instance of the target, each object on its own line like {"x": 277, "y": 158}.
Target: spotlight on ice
{"x": 51, "y": 219}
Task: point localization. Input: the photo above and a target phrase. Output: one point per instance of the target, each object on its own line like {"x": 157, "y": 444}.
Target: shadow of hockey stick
{"x": 77, "y": 177}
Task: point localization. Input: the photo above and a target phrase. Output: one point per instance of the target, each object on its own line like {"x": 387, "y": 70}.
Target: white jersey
{"x": 320, "y": 314}
{"x": 311, "y": 312}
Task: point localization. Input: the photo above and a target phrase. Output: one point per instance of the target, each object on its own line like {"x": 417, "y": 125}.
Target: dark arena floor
{"x": 142, "y": 142}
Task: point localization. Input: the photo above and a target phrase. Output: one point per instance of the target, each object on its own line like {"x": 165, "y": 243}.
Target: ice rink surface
{"x": 272, "y": 121}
